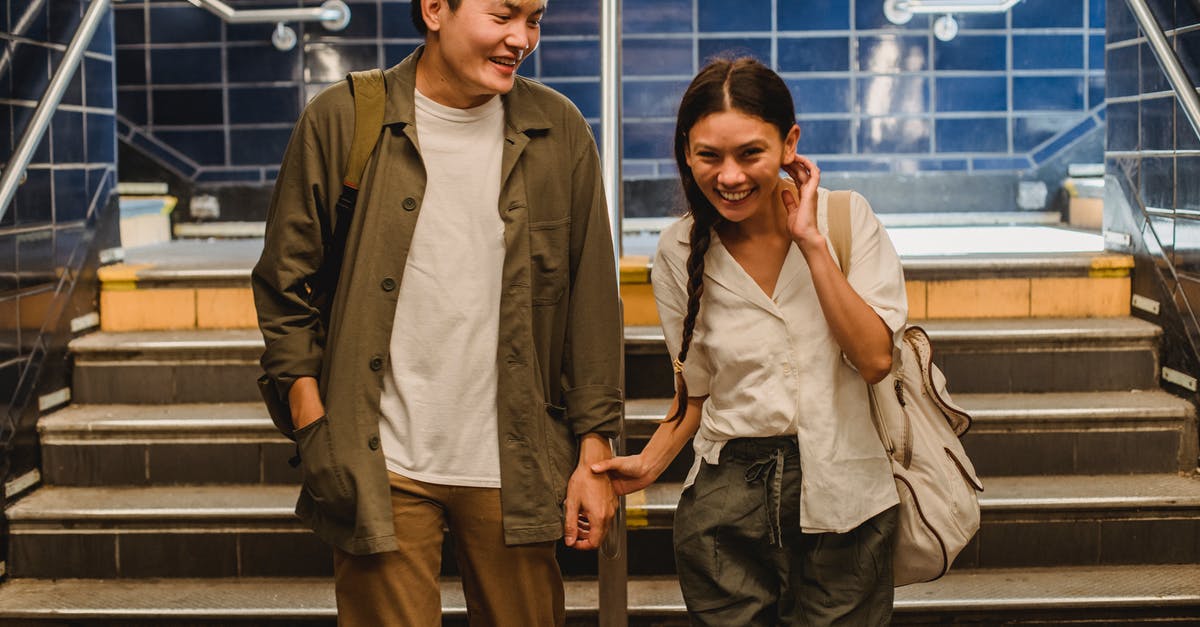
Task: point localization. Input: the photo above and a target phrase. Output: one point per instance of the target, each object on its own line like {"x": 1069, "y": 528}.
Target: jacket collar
{"x": 522, "y": 112}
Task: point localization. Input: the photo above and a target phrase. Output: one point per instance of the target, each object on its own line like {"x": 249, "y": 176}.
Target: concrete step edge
{"x": 1013, "y": 590}
{"x": 124, "y": 422}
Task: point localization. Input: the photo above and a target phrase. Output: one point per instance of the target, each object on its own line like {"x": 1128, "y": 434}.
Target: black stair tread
{"x": 1088, "y": 587}
{"x": 216, "y": 502}
{"x": 1049, "y": 408}
{"x": 150, "y": 422}
{"x": 1056, "y": 331}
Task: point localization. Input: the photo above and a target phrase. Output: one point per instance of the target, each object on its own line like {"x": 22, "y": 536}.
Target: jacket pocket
{"x": 324, "y": 477}
{"x": 549, "y": 256}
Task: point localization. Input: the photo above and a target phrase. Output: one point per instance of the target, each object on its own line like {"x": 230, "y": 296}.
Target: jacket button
{"x": 388, "y": 284}
{"x": 409, "y": 204}
{"x": 373, "y": 443}
{"x": 376, "y": 363}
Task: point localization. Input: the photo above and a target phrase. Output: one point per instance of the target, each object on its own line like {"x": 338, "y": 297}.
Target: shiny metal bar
{"x": 14, "y": 170}
{"x": 334, "y": 15}
{"x": 955, "y": 6}
{"x": 1185, "y": 91}
{"x": 613, "y": 560}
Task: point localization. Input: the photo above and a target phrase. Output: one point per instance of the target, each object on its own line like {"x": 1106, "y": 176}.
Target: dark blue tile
{"x": 585, "y": 95}
{"x": 129, "y": 24}
{"x": 250, "y": 64}
{"x": 813, "y": 15}
{"x": 572, "y": 17}
{"x": 942, "y": 165}
{"x": 1096, "y": 12}
{"x": 1045, "y": 52}
{"x": 1187, "y": 13}
{"x": 187, "y": 106}
{"x": 30, "y": 71}
{"x": 396, "y": 21}
{"x": 869, "y": 15}
{"x": 1095, "y": 89}
{"x": 101, "y": 139}
{"x": 720, "y": 16}
{"x": 1119, "y": 23}
{"x": 648, "y": 140}
{"x": 258, "y": 147}
{"x": 571, "y": 58}
{"x": 1158, "y": 124}
{"x": 256, "y": 32}
{"x": 889, "y": 95}
{"x": 1122, "y": 68}
{"x": 1122, "y": 126}
{"x": 652, "y": 99}
{"x": 180, "y": 24}
{"x": 971, "y": 52}
{"x": 327, "y": 63}
{"x": 69, "y": 242}
{"x": 1187, "y": 194}
{"x": 731, "y": 48}
{"x": 814, "y": 54}
{"x": 6, "y": 138}
{"x": 856, "y": 165}
{"x": 656, "y": 16}
{"x": 820, "y": 95}
{"x": 981, "y": 135}
{"x": 21, "y": 118}
{"x": 1095, "y": 52}
{"x": 74, "y": 92}
{"x": 203, "y": 147}
{"x": 63, "y": 20}
{"x": 893, "y": 53}
{"x": 102, "y": 40}
{"x": 66, "y": 128}
{"x": 35, "y": 258}
{"x": 395, "y": 53}
{"x": 70, "y": 195}
{"x": 1186, "y": 137}
{"x": 166, "y": 158}
{"x": 1085, "y": 127}
{"x": 982, "y": 21}
{"x": 1153, "y": 78}
{"x": 229, "y": 176}
{"x": 1031, "y": 132}
{"x": 893, "y": 135}
{"x": 1163, "y": 12}
{"x": 972, "y": 93}
{"x": 364, "y": 22}
{"x": 131, "y": 67}
{"x": 132, "y": 106}
{"x": 1157, "y": 184}
{"x": 650, "y": 57}
{"x": 264, "y": 105}
{"x": 34, "y": 199}
{"x": 1048, "y": 14}
{"x": 28, "y": 18}
{"x": 825, "y": 137}
{"x": 185, "y": 66}
{"x": 1047, "y": 93}
{"x": 1001, "y": 163}
{"x": 1187, "y": 48}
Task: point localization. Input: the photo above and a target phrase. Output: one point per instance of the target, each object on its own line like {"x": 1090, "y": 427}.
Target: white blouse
{"x": 771, "y": 366}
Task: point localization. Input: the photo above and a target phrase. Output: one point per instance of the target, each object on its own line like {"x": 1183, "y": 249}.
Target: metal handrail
{"x": 952, "y": 6}
{"x": 1185, "y": 91}
{"x": 14, "y": 171}
{"x": 333, "y": 14}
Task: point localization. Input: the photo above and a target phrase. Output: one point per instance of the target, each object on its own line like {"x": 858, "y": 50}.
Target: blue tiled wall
{"x": 47, "y": 231}
{"x": 1152, "y": 159}
{"x": 216, "y": 102}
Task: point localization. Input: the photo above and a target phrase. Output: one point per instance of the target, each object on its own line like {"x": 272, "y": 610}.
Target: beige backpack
{"x": 919, "y": 425}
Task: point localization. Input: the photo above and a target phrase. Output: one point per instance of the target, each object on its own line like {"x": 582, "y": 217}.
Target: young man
{"x": 465, "y": 372}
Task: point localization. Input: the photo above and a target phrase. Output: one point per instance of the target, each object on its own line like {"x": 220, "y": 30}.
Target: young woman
{"x": 788, "y": 514}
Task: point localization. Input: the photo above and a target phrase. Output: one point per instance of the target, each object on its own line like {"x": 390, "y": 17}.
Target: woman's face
{"x": 735, "y": 159}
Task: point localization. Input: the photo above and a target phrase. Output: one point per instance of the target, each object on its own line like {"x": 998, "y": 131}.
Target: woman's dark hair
{"x": 419, "y": 21}
{"x": 744, "y": 85}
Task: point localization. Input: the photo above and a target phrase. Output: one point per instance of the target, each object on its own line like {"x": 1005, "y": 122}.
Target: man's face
{"x": 481, "y": 44}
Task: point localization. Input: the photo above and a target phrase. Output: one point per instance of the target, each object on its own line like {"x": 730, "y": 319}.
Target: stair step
{"x": 189, "y": 531}
{"x": 1138, "y": 431}
{"x": 1126, "y": 593}
{"x": 983, "y": 355}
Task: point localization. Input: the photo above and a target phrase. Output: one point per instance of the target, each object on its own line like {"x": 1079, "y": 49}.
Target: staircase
{"x": 167, "y": 498}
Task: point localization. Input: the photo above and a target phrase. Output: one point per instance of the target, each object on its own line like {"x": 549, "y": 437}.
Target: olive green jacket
{"x": 560, "y": 341}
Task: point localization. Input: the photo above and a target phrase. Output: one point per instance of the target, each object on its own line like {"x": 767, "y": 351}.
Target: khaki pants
{"x": 504, "y": 585}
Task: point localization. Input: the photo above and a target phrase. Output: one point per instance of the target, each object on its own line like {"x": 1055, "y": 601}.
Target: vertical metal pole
{"x": 613, "y": 558}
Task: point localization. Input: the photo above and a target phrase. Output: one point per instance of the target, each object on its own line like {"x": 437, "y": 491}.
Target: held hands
{"x": 802, "y": 211}
{"x": 628, "y": 474}
{"x": 591, "y": 502}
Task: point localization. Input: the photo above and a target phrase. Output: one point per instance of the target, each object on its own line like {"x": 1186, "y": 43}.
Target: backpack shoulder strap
{"x": 837, "y": 213}
{"x": 370, "y": 100}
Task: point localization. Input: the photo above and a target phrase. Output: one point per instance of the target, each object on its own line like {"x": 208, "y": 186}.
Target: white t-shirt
{"x": 439, "y": 392}
{"x": 771, "y": 366}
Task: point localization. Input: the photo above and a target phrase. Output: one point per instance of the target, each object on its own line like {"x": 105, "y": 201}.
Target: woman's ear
{"x": 789, "y": 143}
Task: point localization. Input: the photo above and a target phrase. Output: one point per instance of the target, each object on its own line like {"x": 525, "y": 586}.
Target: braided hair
{"x": 744, "y": 85}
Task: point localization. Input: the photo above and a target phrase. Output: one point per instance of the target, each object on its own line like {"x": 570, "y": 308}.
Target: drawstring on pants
{"x": 770, "y": 470}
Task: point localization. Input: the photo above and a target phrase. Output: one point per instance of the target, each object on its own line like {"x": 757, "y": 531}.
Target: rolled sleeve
{"x": 876, "y": 273}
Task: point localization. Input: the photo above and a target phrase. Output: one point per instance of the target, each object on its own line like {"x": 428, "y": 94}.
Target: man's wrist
{"x": 593, "y": 448}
